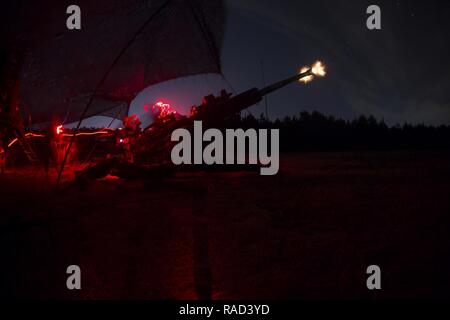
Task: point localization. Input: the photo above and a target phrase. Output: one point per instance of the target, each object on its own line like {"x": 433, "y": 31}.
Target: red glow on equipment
{"x": 161, "y": 109}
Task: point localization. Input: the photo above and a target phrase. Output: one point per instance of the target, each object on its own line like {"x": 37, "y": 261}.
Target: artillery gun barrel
{"x": 283, "y": 83}
{"x": 244, "y": 100}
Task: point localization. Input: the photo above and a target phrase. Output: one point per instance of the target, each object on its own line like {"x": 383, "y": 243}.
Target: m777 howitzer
{"x": 212, "y": 112}
{"x": 153, "y": 146}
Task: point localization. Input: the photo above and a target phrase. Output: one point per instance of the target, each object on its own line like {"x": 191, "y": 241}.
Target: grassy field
{"x": 308, "y": 233}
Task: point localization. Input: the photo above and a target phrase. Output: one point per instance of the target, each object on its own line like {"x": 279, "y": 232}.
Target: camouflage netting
{"x": 61, "y": 68}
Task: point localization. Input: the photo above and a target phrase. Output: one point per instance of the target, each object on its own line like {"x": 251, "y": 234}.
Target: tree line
{"x": 314, "y": 131}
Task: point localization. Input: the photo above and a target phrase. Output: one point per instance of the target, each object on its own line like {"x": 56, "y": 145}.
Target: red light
{"x": 161, "y": 109}
{"x": 59, "y": 129}
{"x": 28, "y": 135}
{"x": 12, "y": 142}
{"x": 87, "y": 133}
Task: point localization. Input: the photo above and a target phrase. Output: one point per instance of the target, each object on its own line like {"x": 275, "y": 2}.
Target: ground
{"x": 308, "y": 233}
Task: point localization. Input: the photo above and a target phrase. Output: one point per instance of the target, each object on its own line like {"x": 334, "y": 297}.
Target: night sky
{"x": 399, "y": 74}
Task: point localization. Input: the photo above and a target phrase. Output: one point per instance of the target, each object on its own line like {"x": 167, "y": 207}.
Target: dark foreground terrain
{"x": 308, "y": 233}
